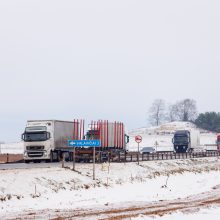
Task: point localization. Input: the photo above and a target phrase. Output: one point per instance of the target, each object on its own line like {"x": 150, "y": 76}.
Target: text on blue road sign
{"x": 84, "y": 143}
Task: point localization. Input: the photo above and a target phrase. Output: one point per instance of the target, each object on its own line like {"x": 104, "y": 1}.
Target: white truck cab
{"x": 46, "y": 139}
{"x": 38, "y": 140}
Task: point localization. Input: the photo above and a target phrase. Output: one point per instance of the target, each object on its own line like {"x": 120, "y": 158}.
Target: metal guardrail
{"x": 128, "y": 156}
{"x": 134, "y": 157}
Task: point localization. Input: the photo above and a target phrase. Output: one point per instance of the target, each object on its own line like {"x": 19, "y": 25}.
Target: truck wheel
{"x": 51, "y": 158}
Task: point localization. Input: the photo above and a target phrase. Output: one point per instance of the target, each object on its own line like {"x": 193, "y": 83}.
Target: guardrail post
{"x": 63, "y": 159}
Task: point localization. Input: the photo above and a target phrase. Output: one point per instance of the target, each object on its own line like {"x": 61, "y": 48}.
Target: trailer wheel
{"x": 51, "y": 156}
{"x": 27, "y": 161}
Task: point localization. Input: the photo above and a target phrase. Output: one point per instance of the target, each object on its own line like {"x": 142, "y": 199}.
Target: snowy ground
{"x": 212, "y": 213}
{"x": 12, "y": 148}
{"x": 128, "y": 188}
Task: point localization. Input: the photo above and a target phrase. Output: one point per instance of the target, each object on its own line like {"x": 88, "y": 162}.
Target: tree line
{"x": 183, "y": 110}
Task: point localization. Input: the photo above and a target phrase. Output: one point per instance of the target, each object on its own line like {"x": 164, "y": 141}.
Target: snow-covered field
{"x": 212, "y": 213}
{"x": 12, "y": 148}
{"x": 51, "y": 192}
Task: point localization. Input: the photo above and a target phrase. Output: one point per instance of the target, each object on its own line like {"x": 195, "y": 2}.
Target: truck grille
{"x": 35, "y": 147}
{"x": 35, "y": 154}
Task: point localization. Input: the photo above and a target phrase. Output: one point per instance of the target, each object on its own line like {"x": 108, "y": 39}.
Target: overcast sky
{"x": 71, "y": 59}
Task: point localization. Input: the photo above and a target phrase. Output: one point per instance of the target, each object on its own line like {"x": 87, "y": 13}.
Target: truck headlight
{"x": 45, "y": 154}
{"x": 25, "y": 154}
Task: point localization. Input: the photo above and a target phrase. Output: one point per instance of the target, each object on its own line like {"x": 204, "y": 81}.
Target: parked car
{"x": 147, "y": 150}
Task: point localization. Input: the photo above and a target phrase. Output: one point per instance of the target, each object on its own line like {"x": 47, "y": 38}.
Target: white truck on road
{"x": 46, "y": 139}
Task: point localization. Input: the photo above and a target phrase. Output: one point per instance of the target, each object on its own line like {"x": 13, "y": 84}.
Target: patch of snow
{"x": 210, "y": 213}
{"x": 12, "y": 148}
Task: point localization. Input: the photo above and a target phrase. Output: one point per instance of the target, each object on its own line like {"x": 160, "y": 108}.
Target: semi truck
{"x": 185, "y": 140}
{"x": 46, "y": 139}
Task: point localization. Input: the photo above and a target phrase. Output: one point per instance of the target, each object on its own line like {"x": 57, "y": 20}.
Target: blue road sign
{"x": 84, "y": 143}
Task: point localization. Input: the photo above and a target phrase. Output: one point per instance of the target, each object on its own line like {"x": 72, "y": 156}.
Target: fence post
{"x": 63, "y": 159}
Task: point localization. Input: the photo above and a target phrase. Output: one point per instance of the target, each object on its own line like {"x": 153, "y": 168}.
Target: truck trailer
{"x": 112, "y": 137}
{"x": 185, "y": 140}
{"x": 46, "y": 139}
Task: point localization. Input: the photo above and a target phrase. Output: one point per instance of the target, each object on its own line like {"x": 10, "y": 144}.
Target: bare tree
{"x": 171, "y": 114}
{"x": 157, "y": 112}
{"x": 185, "y": 110}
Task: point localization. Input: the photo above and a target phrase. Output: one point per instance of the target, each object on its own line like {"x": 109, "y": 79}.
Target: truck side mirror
{"x": 173, "y": 140}
{"x": 22, "y": 137}
{"x": 127, "y": 139}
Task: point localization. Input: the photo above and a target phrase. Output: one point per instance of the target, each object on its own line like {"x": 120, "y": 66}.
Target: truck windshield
{"x": 40, "y": 136}
{"x": 181, "y": 139}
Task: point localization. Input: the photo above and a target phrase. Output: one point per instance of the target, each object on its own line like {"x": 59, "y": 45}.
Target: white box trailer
{"x": 44, "y": 139}
{"x": 194, "y": 138}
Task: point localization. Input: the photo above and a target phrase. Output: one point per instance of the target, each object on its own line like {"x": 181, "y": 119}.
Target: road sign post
{"x": 93, "y": 163}
{"x": 74, "y": 158}
{"x": 138, "y": 139}
{"x": 84, "y": 143}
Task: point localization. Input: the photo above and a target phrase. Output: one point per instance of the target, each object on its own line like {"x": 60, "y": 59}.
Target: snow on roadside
{"x": 12, "y": 148}
{"x": 211, "y": 213}
{"x": 50, "y": 188}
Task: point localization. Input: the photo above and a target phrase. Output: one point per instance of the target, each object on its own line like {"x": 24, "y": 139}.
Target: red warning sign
{"x": 138, "y": 139}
